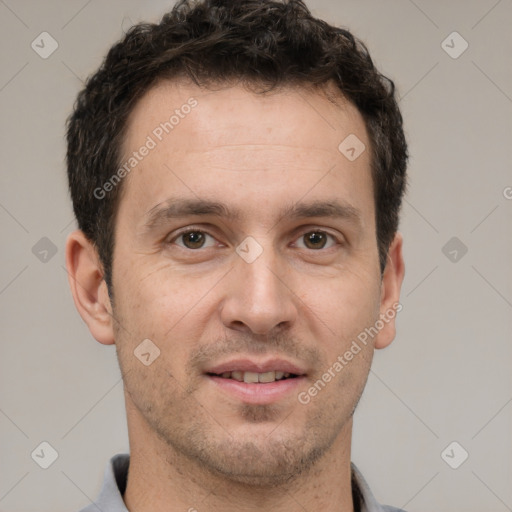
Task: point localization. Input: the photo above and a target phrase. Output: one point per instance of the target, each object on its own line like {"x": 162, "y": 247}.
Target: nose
{"x": 259, "y": 297}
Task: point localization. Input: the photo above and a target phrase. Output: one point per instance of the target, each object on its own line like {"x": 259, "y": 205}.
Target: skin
{"x": 192, "y": 445}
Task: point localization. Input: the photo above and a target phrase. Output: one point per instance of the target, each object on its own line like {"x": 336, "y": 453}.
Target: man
{"x": 237, "y": 172}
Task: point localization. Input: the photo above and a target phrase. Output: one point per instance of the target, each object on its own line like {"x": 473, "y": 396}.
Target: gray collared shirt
{"x": 110, "y": 498}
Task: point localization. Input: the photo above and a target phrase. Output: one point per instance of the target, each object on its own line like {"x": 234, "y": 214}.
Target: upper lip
{"x": 248, "y": 365}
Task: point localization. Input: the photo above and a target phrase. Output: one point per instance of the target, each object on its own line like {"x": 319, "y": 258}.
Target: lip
{"x": 248, "y": 365}
{"x": 258, "y": 393}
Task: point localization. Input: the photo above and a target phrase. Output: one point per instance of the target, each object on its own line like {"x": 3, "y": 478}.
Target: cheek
{"x": 346, "y": 305}
{"x": 163, "y": 306}
{"x": 155, "y": 296}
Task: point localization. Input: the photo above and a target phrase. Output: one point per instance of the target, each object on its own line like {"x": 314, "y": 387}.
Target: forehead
{"x": 238, "y": 143}
{"x": 316, "y": 115}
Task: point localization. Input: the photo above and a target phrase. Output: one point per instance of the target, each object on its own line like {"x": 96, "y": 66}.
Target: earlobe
{"x": 89, "y": 290}
{"x": 390, "y": 292}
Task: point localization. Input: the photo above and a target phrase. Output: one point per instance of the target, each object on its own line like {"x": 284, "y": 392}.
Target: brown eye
{"x": 193, "y": 239}
{"x": 316, "y": 240}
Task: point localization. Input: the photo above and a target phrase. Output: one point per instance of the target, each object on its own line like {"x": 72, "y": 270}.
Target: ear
{"x": 85, "y": 275}
{"x": 390, "y": 292}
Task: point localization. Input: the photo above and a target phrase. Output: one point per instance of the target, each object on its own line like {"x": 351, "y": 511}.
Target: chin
{"x": 251, "y": 464}
{"x": 265, "y": 459}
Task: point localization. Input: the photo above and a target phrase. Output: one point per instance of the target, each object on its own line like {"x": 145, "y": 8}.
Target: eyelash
{"x": 194, "y": 230}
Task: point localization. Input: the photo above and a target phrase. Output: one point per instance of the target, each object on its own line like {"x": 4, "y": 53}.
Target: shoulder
{"x": 90, "y": 508}
{"x": 364, "y": 497}
{"x": 110, "y": 498}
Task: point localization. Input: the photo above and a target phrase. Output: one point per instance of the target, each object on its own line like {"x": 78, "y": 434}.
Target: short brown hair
{"x": 262, "y": 43}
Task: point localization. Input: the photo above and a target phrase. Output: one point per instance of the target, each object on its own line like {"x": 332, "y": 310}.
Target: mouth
{"x": 254, "y": 377}
{"x": 256, "y": 382}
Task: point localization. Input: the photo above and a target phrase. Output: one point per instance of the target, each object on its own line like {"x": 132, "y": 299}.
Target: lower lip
{"x": 258, "y": 393}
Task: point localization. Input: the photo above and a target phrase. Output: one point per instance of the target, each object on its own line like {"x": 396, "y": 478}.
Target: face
{"x": 246, "y": 251}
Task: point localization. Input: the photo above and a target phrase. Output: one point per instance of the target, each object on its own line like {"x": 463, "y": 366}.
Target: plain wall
{"x": 447, "y": 377}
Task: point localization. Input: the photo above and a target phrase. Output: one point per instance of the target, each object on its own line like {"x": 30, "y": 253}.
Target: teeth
{"x": 237, "y": 376}
{"x": 250, "y": 377}
{"x": 253, "y": 377}
{"x": 267, "y": 377}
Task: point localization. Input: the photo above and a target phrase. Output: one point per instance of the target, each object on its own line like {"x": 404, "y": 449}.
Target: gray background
{"x": 447, "y": 375}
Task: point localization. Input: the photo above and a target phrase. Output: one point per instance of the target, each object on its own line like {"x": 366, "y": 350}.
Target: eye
{"x": 317, "y": 240}
{"x": 192, "y": 239}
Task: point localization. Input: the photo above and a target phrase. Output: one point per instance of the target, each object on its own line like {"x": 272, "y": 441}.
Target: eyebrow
{"x": 175, "y": 208}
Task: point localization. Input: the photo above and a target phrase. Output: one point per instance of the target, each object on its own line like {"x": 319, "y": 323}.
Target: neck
{"x": 162, "y": 479}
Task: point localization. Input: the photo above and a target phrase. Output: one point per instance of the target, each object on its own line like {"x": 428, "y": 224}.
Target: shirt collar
{"x": 110, "y": 498}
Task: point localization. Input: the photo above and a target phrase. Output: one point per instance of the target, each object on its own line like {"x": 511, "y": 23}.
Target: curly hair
{"x": 264, "y": 44}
